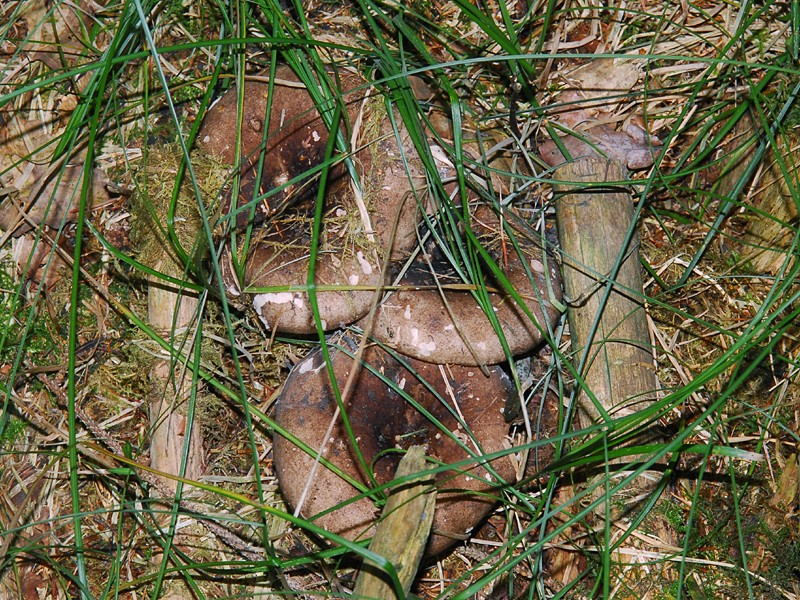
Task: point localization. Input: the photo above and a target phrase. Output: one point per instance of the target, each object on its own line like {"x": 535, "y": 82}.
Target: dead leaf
{"x": 786, "y": 494}
{"x": 31, "y": 192}
{"x": 37, "y": 262}
{"x": 51, "y": 202}
{"x": 604, "y": 77}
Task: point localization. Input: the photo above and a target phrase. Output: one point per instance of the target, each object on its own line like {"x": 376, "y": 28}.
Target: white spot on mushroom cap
{"x": 316, "y": 136}
{"x": 407, "y": 313}
{"x": 365, "y": 266}
{"x": 427, "y": 348}
{"x": 353, "y": 279}
{"x": 306, "y": 366}
{"x": 206, "y": 139}
{"x": 402, "y": 384}
{"x": 449, "y": 327}
{"x": 537, "y": 265}
{"x": 261, "y": 300}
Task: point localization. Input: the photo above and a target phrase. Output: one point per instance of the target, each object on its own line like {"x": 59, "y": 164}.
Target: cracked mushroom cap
{"x": 451, "y": 326}
{"x": 357, "y": 224}
{"x": 383, "y": 420}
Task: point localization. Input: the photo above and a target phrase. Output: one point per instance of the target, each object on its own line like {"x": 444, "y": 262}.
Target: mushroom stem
{"x": 608, "y": 328}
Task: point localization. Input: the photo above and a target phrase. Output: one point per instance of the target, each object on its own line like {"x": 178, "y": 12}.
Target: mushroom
{"x": 449, "y": 326}
{"x": 634, "y": 146}
{"x": 395, "y": 402}
{"x": 358, "y": 225}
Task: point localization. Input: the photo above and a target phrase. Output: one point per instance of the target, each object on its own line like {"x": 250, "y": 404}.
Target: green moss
{"x": 23, "y": 336}
{"x": 786, "y": 571}
{"x": 166, "y": 222}
{"x": 11, "y": 434}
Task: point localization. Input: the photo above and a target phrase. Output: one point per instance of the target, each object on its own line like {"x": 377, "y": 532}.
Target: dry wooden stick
{"x": 593, "y": 224}
{"x": 402, "y": 531}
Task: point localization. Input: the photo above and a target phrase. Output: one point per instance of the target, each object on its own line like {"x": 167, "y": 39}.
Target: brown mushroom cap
{"x": 295, "y": 139}
{"x": 415, "y": 320}
{"x": 381, "y": 420}
{"x": 351, "y": 248}
{"x": 602, "y": 140}
{"x": 633, "y": 146}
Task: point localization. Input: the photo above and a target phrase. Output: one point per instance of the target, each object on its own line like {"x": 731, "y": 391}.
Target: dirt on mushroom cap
{"x": 383, "y": 418}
